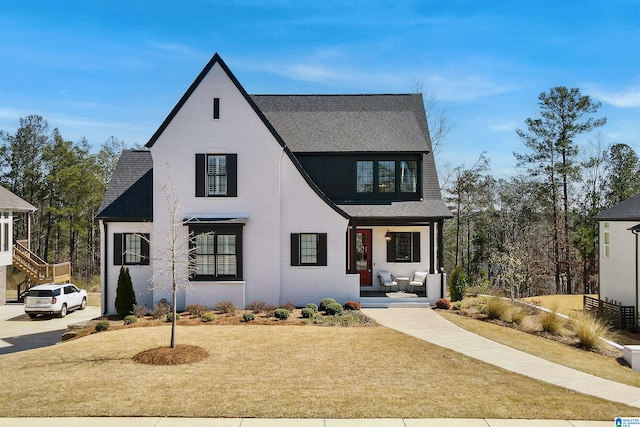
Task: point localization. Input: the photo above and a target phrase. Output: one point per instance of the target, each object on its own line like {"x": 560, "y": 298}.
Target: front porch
{"x": 402, "y": 247}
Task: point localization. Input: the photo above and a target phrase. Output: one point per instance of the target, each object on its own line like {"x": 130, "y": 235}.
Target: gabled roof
{"x": 348, "y": 123}
{"x": 129, "y": 196}
{"x": 13, "y": 203}
{"x": 627, "y": 210}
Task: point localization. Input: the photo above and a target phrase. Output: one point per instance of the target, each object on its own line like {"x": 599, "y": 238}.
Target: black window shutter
{"x": 232, "y": 175}
{"x": 144, "y": 249}
{"x": 295, "y": 249}
{"x": 117, "y": 248}
{"x": 201, "y": 164}
{"x": 322, "y": 249}
{"x": 416, "y": 246}
{"x": 391, "y": 248}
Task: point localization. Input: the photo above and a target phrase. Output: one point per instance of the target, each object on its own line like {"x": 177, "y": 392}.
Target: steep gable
{"x": 129, "y": 195}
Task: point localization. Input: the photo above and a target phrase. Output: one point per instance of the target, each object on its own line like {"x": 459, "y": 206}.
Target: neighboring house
{"x": 618, "y": 252}
{"x": 287, "y": 197}
{"x": 10, "y": 205}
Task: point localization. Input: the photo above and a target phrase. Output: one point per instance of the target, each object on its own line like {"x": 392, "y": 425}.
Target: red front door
{"x": 363, "y": 256}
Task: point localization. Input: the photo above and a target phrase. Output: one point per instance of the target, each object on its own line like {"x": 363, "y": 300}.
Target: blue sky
{"x": 97, "y": 69}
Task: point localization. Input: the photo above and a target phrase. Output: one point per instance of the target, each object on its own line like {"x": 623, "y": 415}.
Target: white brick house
{"x": 277, "y": 192}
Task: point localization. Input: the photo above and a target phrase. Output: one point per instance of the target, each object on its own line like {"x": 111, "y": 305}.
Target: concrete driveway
{"x": 18, "y": 332}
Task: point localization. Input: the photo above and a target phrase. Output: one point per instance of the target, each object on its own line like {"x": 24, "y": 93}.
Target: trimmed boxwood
{"x": 325, "y": 302}
{"x": 282, "y": 313}
{"x": 308, "y": 312}
{"x": 313, "y": 307}
{"x": 102, "y": 325}
{"x": 334, "y": 309}
{"x": 248, "y": 317}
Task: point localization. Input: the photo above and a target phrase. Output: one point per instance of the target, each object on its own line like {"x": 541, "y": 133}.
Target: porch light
{"x": 387, "y": 236}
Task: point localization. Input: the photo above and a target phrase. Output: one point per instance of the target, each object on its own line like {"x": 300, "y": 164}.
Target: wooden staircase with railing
{"x": 36, "y": 270}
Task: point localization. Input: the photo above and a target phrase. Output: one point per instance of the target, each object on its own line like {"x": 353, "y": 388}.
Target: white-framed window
{"x": 5, "y": 232}
{"x": 216, "y": 175}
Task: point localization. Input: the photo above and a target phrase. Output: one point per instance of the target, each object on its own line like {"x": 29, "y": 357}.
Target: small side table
{"x": 403, "y": 283}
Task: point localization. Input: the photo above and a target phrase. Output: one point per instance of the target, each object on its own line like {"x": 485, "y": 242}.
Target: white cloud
{"x": 179, "y": 50}
{"x": 625, "y": 99}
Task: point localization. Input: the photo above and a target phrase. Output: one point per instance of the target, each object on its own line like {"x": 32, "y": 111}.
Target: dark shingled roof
{"x": 627, "y": 210}
{"x": 129, "y": 196}
{"x": 348, "y": 123}
{"x": 13, "y": 203}
{"x": 361, "y": 123}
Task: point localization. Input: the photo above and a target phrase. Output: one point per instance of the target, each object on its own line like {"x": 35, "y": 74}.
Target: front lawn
{"x": 285, "y": 371}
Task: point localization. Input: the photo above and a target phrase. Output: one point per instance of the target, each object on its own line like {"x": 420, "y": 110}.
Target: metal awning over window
{"x": 215, "y": 219}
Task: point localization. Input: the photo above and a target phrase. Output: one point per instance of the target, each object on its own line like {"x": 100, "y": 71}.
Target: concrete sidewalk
{"x": 261, "y": 422}
{"x": 427, "y": 325}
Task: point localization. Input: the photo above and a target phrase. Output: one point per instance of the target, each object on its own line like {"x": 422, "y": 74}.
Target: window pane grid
{"x": 216, "y": 254}
{"x": 132, "y": 249}
{"x": 308, "y": 249}
{"x": 403, "y": 246}
{"x": 217, "y": 175}
{"x": 408, "y": 176}
{"x": 387, "y": 176}
{"x": 364, "y": 177}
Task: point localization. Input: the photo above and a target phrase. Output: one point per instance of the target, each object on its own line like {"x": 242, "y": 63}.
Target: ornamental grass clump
{"x": 551, "y": 321}
{"x": 518, "y": 314}
{"x": 496, "y": 308}
{"x": 589, "y": 330}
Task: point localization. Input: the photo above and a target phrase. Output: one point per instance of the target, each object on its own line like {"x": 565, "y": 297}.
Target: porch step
{"x": 385, "y": 302}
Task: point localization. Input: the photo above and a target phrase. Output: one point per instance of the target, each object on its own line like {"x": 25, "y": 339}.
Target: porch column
{"x": 432, "y": 247}
{"x": 352, "y": 250}
{"x": 440, "y": 245}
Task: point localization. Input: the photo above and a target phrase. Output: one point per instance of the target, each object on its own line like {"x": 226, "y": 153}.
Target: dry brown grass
{"x": 611, "y": 368}
{"x": 287, "y": 371}
{"x": 565, "y": 304}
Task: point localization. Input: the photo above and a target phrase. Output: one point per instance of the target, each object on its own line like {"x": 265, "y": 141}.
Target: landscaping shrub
{"x": 308, "y": 312}
{"x": 325, "y": 302}
{"x": 288, "y": 306}
{"x": 352, "y": 305}
{"x": 170, "y": 317}
{"x": 161, "y": 309}
{"x": 125, "y": 296}
{"x": 589, "y": 330}
{"x": 457, "y": 284}
{"x": 140, "y": 310}
{"x": 226, "y": 307}
{"x": 496, "y": 308}
{"x": 196, "y": 309}
{"x": 248, "y": 317}
{"x": 313, "y": 307}
{"x": 130, "y": 319}
{"x": 457, "y": 305}
{"x": 518, "y": 314}
{"x": 334, "y": 309}
{"x": 102, "y": 325}
{"x": 551, "y": 322}
{"x": 269, "y": 310}
{"x": 257, "y": 306}
{"x": 443, "y": 303}
{"x": 209, "y": 316}
{"x": 283, "y": 313}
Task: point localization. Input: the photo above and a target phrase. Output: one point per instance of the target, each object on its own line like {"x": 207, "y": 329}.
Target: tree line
{"x": 534, "y": 232}
{"x": 65, "y": 181}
